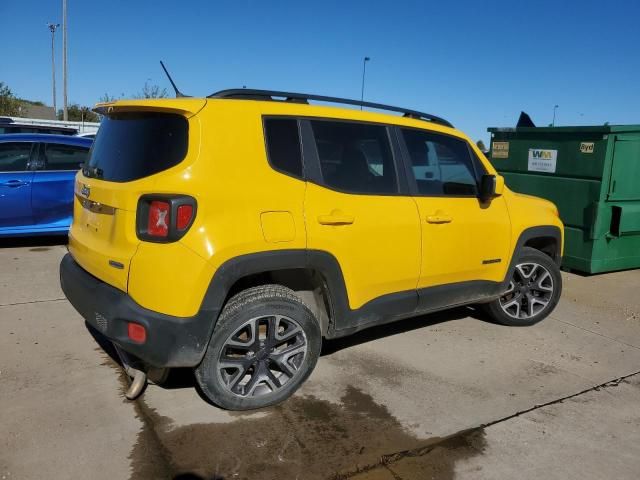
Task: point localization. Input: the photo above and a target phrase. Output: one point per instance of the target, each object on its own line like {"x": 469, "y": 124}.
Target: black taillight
{"x": 164, "y": 218}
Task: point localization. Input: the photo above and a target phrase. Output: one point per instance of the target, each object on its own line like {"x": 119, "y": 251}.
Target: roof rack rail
{"x": 254, "y": 94}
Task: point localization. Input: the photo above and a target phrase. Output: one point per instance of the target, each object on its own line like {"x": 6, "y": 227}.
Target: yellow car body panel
{"x": 526, "y": 212}
{"x": 244, "y": 206}
{"x": 103, "y": 233}
{"x": 169, "y": 278}
{"x": 375, "y": 239}
{"x": 472, "y": 244}
{"x": 236, "y": 186}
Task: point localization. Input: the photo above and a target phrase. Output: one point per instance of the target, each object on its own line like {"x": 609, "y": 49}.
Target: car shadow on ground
{"x": 185, "y": 378}
{"x": 330, "y": 347}
{"x": 37, "y": 241}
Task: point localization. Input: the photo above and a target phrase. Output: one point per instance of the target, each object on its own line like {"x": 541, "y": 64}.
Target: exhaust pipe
{"x": 138, "y": 376}
{"x": 137, "y": 385}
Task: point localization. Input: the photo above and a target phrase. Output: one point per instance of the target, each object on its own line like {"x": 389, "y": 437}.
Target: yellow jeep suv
{"x": 233, "y": 233}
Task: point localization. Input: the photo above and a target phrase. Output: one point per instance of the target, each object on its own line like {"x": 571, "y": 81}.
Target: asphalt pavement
{"x": 448, "y": 395}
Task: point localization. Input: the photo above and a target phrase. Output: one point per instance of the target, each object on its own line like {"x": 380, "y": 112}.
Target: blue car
{"x": 37, "y": 173}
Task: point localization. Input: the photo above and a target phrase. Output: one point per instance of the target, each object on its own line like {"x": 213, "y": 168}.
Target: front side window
{"x": 441, "y": 165}
{"x": 64, "y": 157}
{"x": 355, "y": 157}
{"x": 14, "y": 156}
{"x": 283, "y": 145}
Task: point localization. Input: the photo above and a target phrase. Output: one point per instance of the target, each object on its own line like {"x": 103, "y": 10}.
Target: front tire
{"x": 533, "y": 292}
{"x": 264, "y": 346}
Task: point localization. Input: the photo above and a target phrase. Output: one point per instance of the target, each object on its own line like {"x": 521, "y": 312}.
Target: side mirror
{"x": 488, "y": 190}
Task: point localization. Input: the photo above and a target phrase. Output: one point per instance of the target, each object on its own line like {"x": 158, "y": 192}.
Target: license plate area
{"x": 95, "y": 216}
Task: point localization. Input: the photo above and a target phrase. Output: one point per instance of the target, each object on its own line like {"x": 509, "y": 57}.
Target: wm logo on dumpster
{"x": 541, "y": 160}
{"x": 542, "y": 154}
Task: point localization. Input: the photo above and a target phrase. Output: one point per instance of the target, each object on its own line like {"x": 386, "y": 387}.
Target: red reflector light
{"x": 136, "y": 332}
{"x": 159, "y": 218}
{"x": 185, "y": 212}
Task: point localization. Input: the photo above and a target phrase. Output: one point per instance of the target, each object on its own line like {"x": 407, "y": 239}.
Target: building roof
{"x": 29, "y": 110}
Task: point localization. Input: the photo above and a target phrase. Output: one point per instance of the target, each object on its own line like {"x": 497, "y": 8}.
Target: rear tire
{"x": 264, "y": 346}
{"x": 534, "y": 291}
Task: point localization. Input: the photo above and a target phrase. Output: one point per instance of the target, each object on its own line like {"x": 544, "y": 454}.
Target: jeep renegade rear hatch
{"x": 136, "y": 140}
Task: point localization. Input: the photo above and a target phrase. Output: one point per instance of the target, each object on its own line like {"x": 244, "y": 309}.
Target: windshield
{"x": 134, "y": 145}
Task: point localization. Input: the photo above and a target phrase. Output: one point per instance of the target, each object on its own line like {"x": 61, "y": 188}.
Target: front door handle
{"x": 336, "y": 218}
{"x": 439, "y": 217}
{"x": 14, "y": 183}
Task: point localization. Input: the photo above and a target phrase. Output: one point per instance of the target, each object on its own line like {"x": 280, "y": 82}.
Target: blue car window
{"x": 14, "y": 156}
{"x": 64, "y": 157}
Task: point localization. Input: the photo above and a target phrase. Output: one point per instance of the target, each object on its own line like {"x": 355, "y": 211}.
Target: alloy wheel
{"x": 261, "y": 356}
{"x": 529, "y": 293}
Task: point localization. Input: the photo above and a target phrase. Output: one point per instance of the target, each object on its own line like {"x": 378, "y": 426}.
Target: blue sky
{"x": 475, "y": 63}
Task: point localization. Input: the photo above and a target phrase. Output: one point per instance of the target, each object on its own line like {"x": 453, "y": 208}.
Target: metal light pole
{"x": 553, "y": 123}
{"x": 364, "y": 70}
{"x": 52, "y": 28}
{"x": 65, "y": 115}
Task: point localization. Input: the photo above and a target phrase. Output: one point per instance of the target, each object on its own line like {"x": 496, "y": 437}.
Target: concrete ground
{"x": 441, "y": 396}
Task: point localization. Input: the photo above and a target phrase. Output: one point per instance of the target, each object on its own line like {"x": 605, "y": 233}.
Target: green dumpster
{"x": 592, "y": 174}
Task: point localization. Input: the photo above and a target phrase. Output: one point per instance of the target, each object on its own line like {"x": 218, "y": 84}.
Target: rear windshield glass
{"x": 130, "y": 146}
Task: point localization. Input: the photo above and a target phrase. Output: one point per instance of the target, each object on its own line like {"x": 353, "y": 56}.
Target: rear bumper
{"x": 171, "y": 341}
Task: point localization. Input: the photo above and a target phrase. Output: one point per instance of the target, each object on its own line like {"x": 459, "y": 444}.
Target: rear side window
{"x": 64, "y": 157}
{"x": 283, "y": 145}
{"x": 355, "y": 157}
{"x": 130, "y": 146}
{"x": 14, "y": 156}
{"x": 441, "y": 165}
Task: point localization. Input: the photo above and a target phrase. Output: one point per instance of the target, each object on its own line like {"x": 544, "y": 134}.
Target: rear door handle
{"x": 439, "y": 218}
{"x": 14, "y": 183}
{"x": 336, "y": 218}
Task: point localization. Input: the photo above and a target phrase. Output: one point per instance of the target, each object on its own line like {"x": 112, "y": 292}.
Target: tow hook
{"x": 134, "y": 369}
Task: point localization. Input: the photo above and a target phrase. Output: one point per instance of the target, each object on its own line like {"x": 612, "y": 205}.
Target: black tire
{"x": 530, "y": 293}
{"x": 241, "y": 370}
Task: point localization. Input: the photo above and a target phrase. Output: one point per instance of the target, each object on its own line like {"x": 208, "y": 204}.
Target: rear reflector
{"x": 185, "y": 212}
{"x": 136, "y": 332}
{"x": 159, "y": 219}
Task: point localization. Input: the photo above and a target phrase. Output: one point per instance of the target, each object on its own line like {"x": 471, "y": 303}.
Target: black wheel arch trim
{"x": 344, "y": 320}
{"x": 242, "y": 266}
{"x": 384, "y": 309}
{"x": 532, "y": 233}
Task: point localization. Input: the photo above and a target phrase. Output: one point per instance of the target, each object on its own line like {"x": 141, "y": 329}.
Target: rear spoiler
{"x": 183, "y": 106}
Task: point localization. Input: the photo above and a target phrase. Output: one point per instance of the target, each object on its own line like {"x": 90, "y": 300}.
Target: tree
{"x": 152, "y": 91}
{"x": 77, "y": 113}
{"x": 106, "y": 98}
{"x": 9, "y": 104}
{"x": 37, "y": 103}
{"x": 480, "y": 144}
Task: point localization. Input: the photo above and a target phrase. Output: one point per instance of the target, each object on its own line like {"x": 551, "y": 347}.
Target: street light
{"x": 553, "y": 123}
{"x": 364, "y": 70}
{"x": 52, "y": 28}
{"x": 65, "y": 116}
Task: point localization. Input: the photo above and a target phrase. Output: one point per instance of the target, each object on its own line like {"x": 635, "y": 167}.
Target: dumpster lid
{"x": 568, "y": 129}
